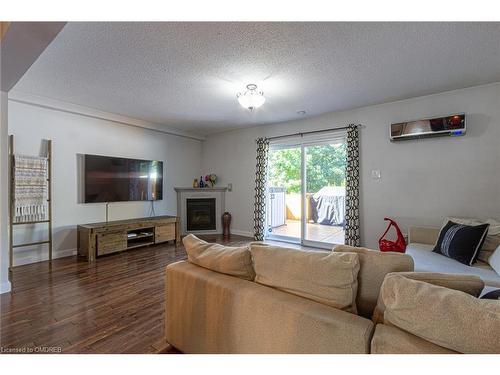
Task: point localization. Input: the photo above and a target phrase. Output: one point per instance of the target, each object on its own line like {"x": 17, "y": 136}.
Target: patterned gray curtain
{"x": 352, "y": 237}
{"x": 259, "y": 214}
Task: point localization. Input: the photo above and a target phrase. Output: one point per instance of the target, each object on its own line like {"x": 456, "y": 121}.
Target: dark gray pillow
{"x": 461, "y": 242}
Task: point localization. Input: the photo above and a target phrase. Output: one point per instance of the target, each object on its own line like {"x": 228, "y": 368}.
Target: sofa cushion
{"x": 423, "y": 235}
{"x": 374, "y": 265}
{"x": 470, "y": 284}
{"x": 492, "y": 240}
{"x": 234, "y": 261}
{"x": 427, "y": 261}
{"x": 461, "y": 242}
{"x": 445, "y": 317}
{"x": 495, "y": 260}
{"x": 392, "y": 340}
{"x": 329, "y": 278}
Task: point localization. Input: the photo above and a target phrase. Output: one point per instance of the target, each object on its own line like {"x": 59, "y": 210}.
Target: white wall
{"x": 422, "y": 180}
{"x": 74, "y": 134}
{"x": 4, "y": 183}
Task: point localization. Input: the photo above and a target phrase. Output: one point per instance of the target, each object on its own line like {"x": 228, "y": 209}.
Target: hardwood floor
{"x": 115, "y": 305}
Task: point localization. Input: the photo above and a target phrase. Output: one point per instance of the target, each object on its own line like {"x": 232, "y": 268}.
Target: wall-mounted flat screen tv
{"x": 111, "y": 179}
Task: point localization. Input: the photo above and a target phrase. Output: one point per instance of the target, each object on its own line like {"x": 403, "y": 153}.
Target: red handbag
{"x": 386, "y": 245}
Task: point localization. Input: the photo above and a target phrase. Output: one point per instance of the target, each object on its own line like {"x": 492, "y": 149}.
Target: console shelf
{"x": 140, "y": 236}
{"x": 99, "y": 239}
{"x": 139, "y": 245}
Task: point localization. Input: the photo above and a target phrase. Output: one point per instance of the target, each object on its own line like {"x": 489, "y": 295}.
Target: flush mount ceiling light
{"x": 251, "y": 98}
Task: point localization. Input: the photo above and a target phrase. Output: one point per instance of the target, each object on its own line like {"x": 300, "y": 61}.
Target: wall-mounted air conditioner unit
{"x": 452, "y": 125}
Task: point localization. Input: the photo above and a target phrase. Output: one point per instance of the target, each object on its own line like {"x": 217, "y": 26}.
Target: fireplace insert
{"x": 200, "y": 214}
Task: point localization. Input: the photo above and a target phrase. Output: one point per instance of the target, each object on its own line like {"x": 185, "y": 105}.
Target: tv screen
{"x": 110, "y": 179}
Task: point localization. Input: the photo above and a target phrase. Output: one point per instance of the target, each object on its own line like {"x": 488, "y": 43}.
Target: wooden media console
{"x": 98, "y": 239}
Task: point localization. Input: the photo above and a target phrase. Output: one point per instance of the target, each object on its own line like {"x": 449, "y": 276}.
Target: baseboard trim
{"x": 5, "y": 287}
{"x": 242, "y": 233}
{"x": 32, "y": 258}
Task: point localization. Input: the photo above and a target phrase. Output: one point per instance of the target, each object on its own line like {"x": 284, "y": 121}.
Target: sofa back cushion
{"x": 423, "y": 235}
{"x": 445, "y": 317}
{"x": 374, "y": 265}
{"x": 495, "y": 260}
{"x": 325, "y": 277}
{"x": 470, "y": 284}
{"x": 234, "y": 261}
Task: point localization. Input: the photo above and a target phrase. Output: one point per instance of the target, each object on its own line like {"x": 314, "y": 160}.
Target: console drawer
{"x": 165, "y": 233}
{"x": 108, "y": 243}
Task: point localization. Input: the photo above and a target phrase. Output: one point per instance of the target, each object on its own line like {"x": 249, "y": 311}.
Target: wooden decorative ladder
{"x": 12, "y": 200}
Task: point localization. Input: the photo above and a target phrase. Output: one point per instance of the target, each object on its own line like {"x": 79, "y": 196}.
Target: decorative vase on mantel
{"x": 226, "y": 224}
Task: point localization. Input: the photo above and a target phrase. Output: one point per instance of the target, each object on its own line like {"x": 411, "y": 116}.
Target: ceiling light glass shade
{"x": 251, "y": 98}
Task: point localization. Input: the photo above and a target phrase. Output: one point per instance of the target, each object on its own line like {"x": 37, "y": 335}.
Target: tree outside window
{"x": 325, "y": 166}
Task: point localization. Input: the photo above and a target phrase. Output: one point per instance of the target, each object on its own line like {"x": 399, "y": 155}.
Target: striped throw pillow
{"x": 461, "y": 242}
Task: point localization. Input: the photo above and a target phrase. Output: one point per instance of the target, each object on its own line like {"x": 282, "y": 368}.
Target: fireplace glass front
{"x": 200, "y": 214}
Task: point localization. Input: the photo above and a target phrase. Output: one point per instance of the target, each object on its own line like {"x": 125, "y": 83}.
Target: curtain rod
{"x": 310, "y": 132}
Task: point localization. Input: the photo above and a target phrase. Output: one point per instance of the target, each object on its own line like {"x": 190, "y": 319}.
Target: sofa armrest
{"x": 424, "y": 235}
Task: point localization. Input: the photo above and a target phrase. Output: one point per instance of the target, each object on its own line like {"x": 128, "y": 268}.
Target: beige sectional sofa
{"x": 209, "y": 312}
{"x": 284, "y": 307}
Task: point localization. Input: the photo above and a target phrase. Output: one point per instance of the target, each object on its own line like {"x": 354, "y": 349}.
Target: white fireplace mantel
{"x": 178, "y": 189}
{"x": 184, "y": 193}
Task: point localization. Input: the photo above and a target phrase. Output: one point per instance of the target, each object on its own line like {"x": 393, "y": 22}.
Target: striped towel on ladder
{"x": 30, "y": 188}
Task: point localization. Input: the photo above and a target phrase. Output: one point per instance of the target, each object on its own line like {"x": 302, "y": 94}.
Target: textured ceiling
{"x": 186, "y": 75}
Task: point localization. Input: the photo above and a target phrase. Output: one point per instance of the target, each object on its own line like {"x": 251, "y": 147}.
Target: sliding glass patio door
{"x": 306, "y": 191}
{"x": 284, "y": 193}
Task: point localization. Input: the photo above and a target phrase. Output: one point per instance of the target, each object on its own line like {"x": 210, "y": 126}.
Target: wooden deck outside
{"x": 315, "y": 232}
